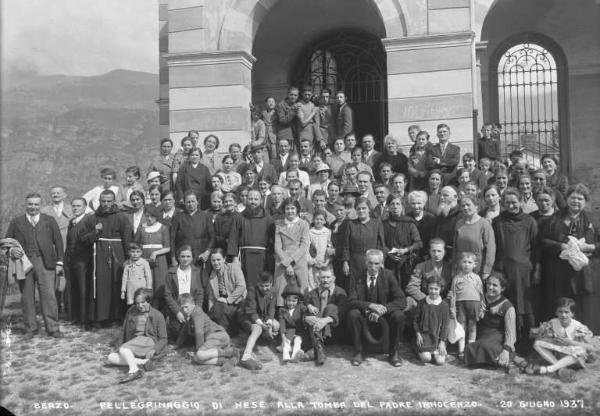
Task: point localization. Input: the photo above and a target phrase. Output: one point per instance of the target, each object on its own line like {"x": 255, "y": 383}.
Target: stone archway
{"x": 244, "y": 17}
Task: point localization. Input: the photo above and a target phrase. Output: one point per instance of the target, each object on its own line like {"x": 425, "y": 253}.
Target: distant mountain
{"x": 61, "y": 129}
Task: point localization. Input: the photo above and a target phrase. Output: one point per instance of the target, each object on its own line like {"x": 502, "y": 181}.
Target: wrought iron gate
{"x": 354, "y": 62}
{"x": 528, "y": 103}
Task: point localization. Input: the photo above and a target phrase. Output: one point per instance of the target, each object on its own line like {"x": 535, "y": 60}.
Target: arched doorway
{"x": 353, "y": 61}
{"x": 528, "y": 84}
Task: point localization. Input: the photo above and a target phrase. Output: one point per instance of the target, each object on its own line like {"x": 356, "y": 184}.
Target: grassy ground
{"x": 45, "y": 372}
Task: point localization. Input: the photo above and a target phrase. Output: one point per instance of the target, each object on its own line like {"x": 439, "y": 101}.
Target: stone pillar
{"x": 430, "y": 82}
{"x": 163, "y": 70}
{"x": 210, "y": 92}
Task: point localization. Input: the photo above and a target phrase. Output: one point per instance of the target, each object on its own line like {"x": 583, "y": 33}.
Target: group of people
{"x": 307, "y": 237}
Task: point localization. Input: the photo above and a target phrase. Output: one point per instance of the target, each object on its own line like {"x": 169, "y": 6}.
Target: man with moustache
{"x": 252, "y": 236}
{"x": 448, "y": 214}
{"x": 41, "y": 243}
{"x": 113, "y": 234}
{"x": 79, "y": 265}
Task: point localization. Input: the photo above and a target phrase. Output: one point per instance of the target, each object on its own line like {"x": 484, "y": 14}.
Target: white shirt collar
{"x": 35, "y": 218}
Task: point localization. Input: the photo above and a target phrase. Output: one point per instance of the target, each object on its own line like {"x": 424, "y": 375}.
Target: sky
{"x": 79, "y": 37}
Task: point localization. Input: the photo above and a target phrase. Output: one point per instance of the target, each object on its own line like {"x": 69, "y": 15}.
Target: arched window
{"x": 529, "y": 95}
{"x": 323, "y": 71}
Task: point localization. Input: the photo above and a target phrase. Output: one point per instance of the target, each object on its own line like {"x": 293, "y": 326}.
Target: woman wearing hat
{"x": 323, "y": 172}
{"x": 154, "y": 239}
{"x": 291, "y": 249}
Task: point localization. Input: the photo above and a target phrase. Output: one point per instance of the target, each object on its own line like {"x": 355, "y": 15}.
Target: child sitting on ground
{"x": 291, "y": 324}
{"x": 136, "y": 273}
{"x": 432, "y": 317}
{"x": 211, "y": 342}
{"x": 259, "y": 318}
{"x": 467, "y": 302}
{"x": 563, "y": 341}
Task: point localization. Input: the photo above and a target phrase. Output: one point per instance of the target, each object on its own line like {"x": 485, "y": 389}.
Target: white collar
{"x": 433, "y": 302}
{"x": 294, "y": 221}
{"x": 35, "y": 218}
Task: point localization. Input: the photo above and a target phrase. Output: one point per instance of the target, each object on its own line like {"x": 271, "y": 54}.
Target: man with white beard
{"x": 448, "y": 214}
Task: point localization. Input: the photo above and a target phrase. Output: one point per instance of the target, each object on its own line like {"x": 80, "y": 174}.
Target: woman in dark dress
{"x": 556, "y": 180}
{"x": 403, "y": 241}
{"x": 560, "y": 278}
{"x": 517, "y": 257}
{"x": 391, "y": 155}
{"x": 360, "y": 235}
{"x": 194, "y": 176}
{"x": 496, "y": 331}
{"x": 224, "y": 220}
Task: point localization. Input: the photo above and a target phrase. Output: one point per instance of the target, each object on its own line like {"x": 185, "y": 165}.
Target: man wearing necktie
{"x": 326, "y": 307}
{"x": 42, "y": 243}
{"x": 375, "y": 295}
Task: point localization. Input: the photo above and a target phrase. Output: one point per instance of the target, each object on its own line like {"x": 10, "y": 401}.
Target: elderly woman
{"x": 517, "y": 256}
{"x": 556, "y": 180}
{"x": 360, "y": 235}
{"x": 403, "y": 241}
{"x": 397, "y": 160}
{"x": 292, "y": 240}
{"x": 434, "y": 187}
{"x": 231, "y": 179}
{"x": 496, "y": 331}
{"x": 540, "y": 180}
{"x": 194, "y": 176}
{"x": 474, "y": 234}
{"x": 528, "y": 204}
{"x": 425, "y": 221}
{"x": 561, "y": 279}
{"x": 193, "y": 227}
{"x": 209, "y": 157}
{"x": 501, "y": 178}
{"x": 144, "y": 337}
{"x": 493, "y": 208}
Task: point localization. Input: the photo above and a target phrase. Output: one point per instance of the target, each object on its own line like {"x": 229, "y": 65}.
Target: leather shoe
{"x": 250, "y": 364}
{"x": 232, "y": 361}
{"x": 395, "y": 359}
{"x": 131, "y": 376}
{"x": 356, "y": 360}
{"x": 56, "y": 334}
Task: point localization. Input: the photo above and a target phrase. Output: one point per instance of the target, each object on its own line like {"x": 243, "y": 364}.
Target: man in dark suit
{"x": 281, "y": 163}
{"x": 41, "y": 242}
{"x": 79, "y": 265}
{"x": 264, "y": 171}
{"x": 370, "y": 155}
{"x": 326, "y": 309}
{"x": 443, "y": 155}
{"x": 343, "y": 119}
{"x": 375, "y": 295}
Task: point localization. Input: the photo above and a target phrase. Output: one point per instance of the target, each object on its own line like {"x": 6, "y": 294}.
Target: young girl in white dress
{"x": 321, "y": 249}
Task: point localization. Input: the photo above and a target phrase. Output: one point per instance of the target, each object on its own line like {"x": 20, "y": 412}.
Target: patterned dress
{"x": 550, "y": 334}
{"x": 320, "y": 240}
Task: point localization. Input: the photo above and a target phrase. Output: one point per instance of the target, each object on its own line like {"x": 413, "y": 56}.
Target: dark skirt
{"x": 486, "y": 349}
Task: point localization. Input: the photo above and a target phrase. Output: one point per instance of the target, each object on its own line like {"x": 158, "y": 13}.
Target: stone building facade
{"x": 402, "y": 62}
